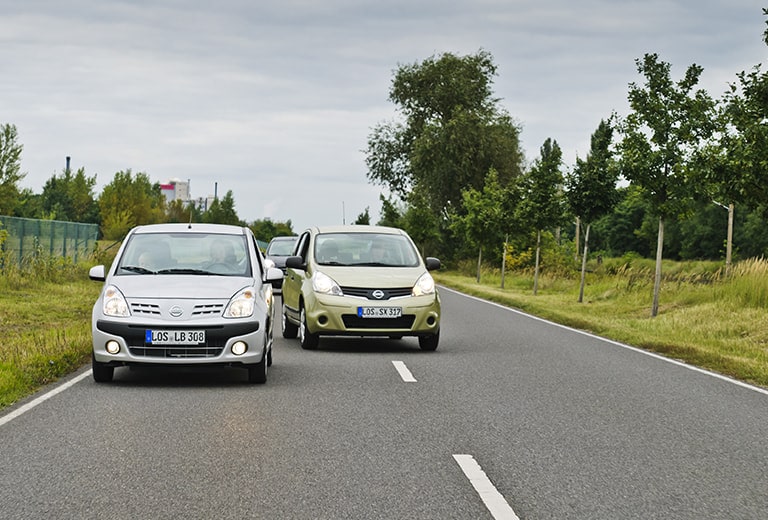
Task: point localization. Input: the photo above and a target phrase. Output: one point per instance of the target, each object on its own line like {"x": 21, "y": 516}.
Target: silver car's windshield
{"x": 365, "y": 249}
{"x": 281, "y": 247}
{"x": 185, "y": 253}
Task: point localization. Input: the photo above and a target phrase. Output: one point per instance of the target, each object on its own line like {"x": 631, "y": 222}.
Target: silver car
{"x": 182, "y": 295}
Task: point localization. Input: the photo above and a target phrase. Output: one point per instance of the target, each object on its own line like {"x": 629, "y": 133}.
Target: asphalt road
{"x": 563, "y": 425}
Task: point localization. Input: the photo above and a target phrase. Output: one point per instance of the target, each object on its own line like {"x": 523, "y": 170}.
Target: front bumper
{"x": 216, "y": 351}
{"x": 338, "y": 315}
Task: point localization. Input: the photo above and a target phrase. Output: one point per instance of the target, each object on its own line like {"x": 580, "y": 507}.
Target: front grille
{"x": 169, "y": 351}
{"x": 352, "y": 321}
{"x": 145, "y": 308}
{"x": 364, "y": 292}
{"x": 208, "y": 309}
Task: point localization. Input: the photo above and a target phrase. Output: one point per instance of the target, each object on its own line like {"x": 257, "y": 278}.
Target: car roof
{"x": 190, "y": 228}
{"x": 356, "y": 228}
{"x": 284, "y": 238}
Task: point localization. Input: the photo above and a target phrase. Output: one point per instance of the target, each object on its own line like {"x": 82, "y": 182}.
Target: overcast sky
{"x": 275, "y": 100}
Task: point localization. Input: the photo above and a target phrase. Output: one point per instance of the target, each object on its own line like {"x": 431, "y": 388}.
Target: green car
{"x": 359, "y": 281}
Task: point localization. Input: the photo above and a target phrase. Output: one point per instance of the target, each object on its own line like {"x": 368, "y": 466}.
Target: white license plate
{"x": 379, "y": 312}
{"x": 174, "y": 337}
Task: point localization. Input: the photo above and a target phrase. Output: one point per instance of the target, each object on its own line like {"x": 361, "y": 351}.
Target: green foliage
{"x": 129, "y": 201}
{"x": 542, "y": 205}
{"x": 364, "y": 218}
{"x": 10, "y": 169}
{"x": 70, "y": 198}
{"x": 223, "y": 212}
{"x": 266, "y": 230}
{"x": 391, "y": 214}
{"x": 453, "y": 134}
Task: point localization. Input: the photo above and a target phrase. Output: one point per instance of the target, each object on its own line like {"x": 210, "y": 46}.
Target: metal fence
{"x": 28, "y": 237}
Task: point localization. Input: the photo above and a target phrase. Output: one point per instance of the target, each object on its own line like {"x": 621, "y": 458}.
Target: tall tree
{"x": 223, "y": 211}
{"x": 667, "y": 124}
{"x": 364, "y": 218}
{"x": 129, "y": 201}
{"x": 541, "y": 206}
{"x": 70, "y": 197}
{"x": 487, "y": 216}
{"x": 591, "y": 187}
{"x": 10, "y": 169}
{"x": 451, "y": 134}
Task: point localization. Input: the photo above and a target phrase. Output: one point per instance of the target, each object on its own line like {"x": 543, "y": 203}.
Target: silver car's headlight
{"x": 114, "y": 303}
{"x": 322, "y": 283}
{"x": 242, "y": 304}
{"x": 424, "y": 285}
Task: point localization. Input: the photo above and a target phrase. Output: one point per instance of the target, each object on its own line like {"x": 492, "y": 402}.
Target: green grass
{"x": 705, "y": 319}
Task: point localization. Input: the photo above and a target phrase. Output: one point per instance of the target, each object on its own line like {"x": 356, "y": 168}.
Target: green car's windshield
{"x": 365, "y": 249}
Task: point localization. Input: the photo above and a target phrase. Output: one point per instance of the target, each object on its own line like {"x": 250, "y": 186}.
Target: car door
{"x": 294, "y": 277}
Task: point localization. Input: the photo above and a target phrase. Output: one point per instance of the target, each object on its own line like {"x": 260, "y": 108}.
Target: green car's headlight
{"x": 424, "y": 285}
{"x": 324, "y": 284}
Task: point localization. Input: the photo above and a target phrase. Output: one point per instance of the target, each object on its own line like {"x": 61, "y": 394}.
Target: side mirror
{"x": 97, "y": 273}
{"x": 295, "y": 262}
{"x": 432, "y": 263}
{"x": 273, "y": 275}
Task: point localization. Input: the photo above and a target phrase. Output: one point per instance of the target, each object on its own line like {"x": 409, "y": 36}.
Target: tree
{"x": 129, "y": 201}
{"x": 266, "y": 230}
{"x": 453, "y": 132}
{"x": 591, "y": 187}
{"x": 541, "y": 206}
{"x": 667, "y": 123}
{"x": 364, "y": 218}
{"x": 391, "y": 215}
{"x": 10, "y": 169}
{"x": 487, "y": 215}
{"x": 223, "y": 211}
{"x": 70, "y": 197}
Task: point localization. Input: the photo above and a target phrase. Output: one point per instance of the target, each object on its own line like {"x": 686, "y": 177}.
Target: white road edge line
{"x": 27, "y": 407}
{"x": 405, "y": 374}
{"x": 493, "y": 500}
{"x": 612, "y": 342}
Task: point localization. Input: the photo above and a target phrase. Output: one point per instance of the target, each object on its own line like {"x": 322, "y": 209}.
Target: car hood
{"x": 180, "y": 286}
{"x": 379, "y": 277}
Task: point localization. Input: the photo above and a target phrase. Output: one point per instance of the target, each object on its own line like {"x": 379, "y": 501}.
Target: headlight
{"x": 322, "y": 283}
{"x": 424, "y": 285}
{"x": 114, "y": 303}
{"x": 241, "y": 305}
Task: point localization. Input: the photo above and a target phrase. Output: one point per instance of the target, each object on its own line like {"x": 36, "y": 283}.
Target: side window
{"x": 258, "y": 254}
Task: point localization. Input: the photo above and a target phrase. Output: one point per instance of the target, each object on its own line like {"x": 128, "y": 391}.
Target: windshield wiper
{"x": 184, "y": 271}
{"x": 137, "y": 269}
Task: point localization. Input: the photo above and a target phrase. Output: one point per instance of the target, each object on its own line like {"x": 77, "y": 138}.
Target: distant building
{"x": 175, "y": 189}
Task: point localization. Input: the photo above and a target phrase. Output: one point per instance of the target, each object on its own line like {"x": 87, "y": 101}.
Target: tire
{"x": 257, "y": 374}
{"x": 102, "y": 372}
{"x": 308, "y": 340}
{"x": 290, "y": 331}
{"x": 429, "y": 342}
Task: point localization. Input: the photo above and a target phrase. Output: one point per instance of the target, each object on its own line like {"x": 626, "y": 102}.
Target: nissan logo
{"x": 378, "y": 294}
{"x": 176, "y": 311}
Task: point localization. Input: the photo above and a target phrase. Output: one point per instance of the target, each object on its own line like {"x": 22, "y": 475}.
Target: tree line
{"x": 129, "y": 199}
{"x": 655, "y": 181}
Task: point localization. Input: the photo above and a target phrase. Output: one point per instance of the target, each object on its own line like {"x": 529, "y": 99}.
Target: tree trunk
{"x": 729, "y": 244}
{"x": 504, "y": 261}
{"x": 576, "y": 239}
{"x": 536, "y": 270}
{"x": 584, "y": 264}
{"x": 479, "y": 260}
{"x": 657, "y": 278}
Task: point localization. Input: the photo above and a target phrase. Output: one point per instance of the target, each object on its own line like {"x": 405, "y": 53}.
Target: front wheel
{"x": 102, "y": 372}
{"x": 289, "y": 330}
{"x": 308, "y": 340}
{"x": 429, "y": 342}
{"x": 257, "y": 373}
